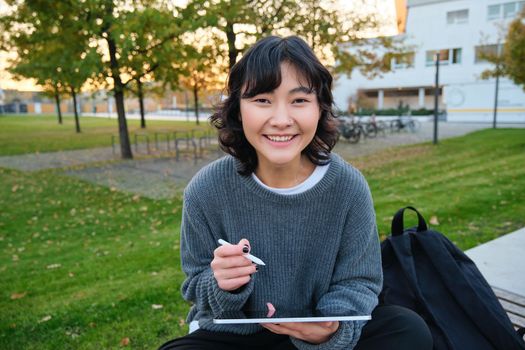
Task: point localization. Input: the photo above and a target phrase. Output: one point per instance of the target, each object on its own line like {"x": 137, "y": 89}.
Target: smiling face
{"x": 280, "y": 124}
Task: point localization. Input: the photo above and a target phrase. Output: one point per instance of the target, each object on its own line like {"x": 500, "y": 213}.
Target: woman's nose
{"x": 281, "y": 118}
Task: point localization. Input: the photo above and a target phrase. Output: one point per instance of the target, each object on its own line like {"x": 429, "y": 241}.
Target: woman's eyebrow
{"x": 302, "y": 89}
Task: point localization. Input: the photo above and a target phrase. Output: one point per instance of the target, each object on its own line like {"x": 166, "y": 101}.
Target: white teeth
{"x": 279, "y": 138}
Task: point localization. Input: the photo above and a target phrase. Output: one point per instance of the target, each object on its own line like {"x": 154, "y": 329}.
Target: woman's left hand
{"x": 311, "y": 332}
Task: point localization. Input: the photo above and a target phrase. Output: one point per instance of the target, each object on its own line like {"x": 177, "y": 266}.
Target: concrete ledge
{"x": 502, "y": 261}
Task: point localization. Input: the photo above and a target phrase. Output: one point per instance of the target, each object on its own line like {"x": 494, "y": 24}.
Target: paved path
{"x": 158, "y": 178}
{"x": 165, "y": 177}
{"x": 425, "y": 134}
{"x": 52, "y": 160}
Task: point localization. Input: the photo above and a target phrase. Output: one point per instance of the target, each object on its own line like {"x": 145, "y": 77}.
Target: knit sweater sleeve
{"x": 357, "y": 278}
{"x": 197, "y": 246}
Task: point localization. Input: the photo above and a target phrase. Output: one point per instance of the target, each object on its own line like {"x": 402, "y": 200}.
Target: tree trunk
{"x": 77, "y": 123}
{"x": 196, "y": 101}
{"x": 118, "y": 88}
{"x": 141, "y": 104}
{"x": 57, "y": 101}
{"x": 232, "y": 50}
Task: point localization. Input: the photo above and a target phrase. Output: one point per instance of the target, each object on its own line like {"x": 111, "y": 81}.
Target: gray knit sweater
{"x": 320, "y": 247}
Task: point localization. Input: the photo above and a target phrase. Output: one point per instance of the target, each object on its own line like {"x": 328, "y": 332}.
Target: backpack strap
{"x": 397, "y": 222}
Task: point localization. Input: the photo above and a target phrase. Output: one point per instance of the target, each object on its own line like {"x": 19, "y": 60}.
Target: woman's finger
{"x": 229, "y": 262}
{"x": 232, "y": 284}
{"x": 235, "y": 272}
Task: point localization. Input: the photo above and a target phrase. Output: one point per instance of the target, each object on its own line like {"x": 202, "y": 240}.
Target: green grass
{"x": 30, "y": 134}
{"x": 82, "y": 265}
{"x": 474, "y": 185}
{"x": 92, "y": 259}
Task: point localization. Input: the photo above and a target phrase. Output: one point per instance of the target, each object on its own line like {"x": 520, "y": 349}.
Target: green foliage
{"x": 391, "y": 112}
{"x": 514, "y": 52}
{"x": 50, "y": 46}
{"x": 508, "y": 60}
{"x": 337, "y": 37}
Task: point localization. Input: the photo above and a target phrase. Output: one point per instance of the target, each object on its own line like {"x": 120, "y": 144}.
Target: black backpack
{"x": 426, "y": 272}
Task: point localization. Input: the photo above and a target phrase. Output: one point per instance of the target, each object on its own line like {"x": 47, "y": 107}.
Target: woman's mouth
{"x": 279, "y": 138}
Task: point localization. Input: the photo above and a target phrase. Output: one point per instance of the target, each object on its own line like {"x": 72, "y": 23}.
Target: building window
{"x": 456, "y": 56}
{"x": 457, "y": 17}
{"x": 404, "y": 61}
{"x": 494, "y": 11}
{"x": 446, "y": 56}
{"x": 482, "y": 52}
{"x": 505, "y": 10}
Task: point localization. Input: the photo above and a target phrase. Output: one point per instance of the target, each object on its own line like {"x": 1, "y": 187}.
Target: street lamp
{"x": 436, "y": 97}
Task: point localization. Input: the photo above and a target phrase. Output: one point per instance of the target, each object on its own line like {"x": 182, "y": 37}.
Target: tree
{"x": 507, "y": 58}
{"x": 200, "y": 69}
{"x": 128, "y": 39}
{"x": 51, "y": 85}
{"x": 149, "y": 45}
{"x": 130, "y": 59}
{"x": 514, "y": 51}
{"x": 45, "y": 38}
{"x": 329, "y": 30}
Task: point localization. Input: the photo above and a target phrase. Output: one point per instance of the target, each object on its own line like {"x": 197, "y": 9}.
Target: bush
{"x": 392, "y": 111}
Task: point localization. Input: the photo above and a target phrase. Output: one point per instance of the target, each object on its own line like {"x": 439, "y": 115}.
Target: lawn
{"x": 87, "y": 267}
{"x": 30, "y": 134}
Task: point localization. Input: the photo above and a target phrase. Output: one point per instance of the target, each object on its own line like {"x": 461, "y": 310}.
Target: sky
{"x": 7, "y": 82}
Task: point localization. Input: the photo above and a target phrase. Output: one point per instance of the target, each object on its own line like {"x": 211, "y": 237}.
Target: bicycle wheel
{"x": 414, "y": 125}
{"x": 370, "y": 130}
{"x": 354, "y": 135}
{"x": 395, "y": 125}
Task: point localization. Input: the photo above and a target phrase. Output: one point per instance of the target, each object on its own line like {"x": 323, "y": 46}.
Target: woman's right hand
{"x": 230, "y": 268}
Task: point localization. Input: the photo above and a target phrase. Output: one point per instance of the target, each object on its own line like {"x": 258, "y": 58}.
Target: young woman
{"x": 282, "y": 195}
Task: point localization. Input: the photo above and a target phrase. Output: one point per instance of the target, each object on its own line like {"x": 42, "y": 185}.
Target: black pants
{"x": 391, "y": 327}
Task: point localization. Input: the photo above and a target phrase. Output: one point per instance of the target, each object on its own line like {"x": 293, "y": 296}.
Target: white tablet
{"x": 245, "y": 317}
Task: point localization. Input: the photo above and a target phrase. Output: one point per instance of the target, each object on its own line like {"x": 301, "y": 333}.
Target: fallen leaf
{"x": 14, "y": 188}
{"x": 16, "y": 296}
{"x": 157, "y": 306}
{"x": 124, "y": 342}
{"x": 434, "y": 221}
{"x": 53, "y": 266}
{"x": 45, "y": 319}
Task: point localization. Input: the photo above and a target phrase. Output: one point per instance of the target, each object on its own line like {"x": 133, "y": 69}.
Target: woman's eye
{"x": 262, "y": 100}
{"x": 300, "y": 100}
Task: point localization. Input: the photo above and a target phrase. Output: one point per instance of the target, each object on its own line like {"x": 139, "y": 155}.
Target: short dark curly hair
{"x": 259, "y": 71}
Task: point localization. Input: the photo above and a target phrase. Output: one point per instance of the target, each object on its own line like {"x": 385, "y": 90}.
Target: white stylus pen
{"x": 247, "y": 256}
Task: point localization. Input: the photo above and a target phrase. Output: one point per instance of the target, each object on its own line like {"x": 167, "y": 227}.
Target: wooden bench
{"x": 513, "y": 304}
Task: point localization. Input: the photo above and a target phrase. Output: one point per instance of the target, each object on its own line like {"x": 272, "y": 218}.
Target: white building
{"x": 459, "y": 30}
